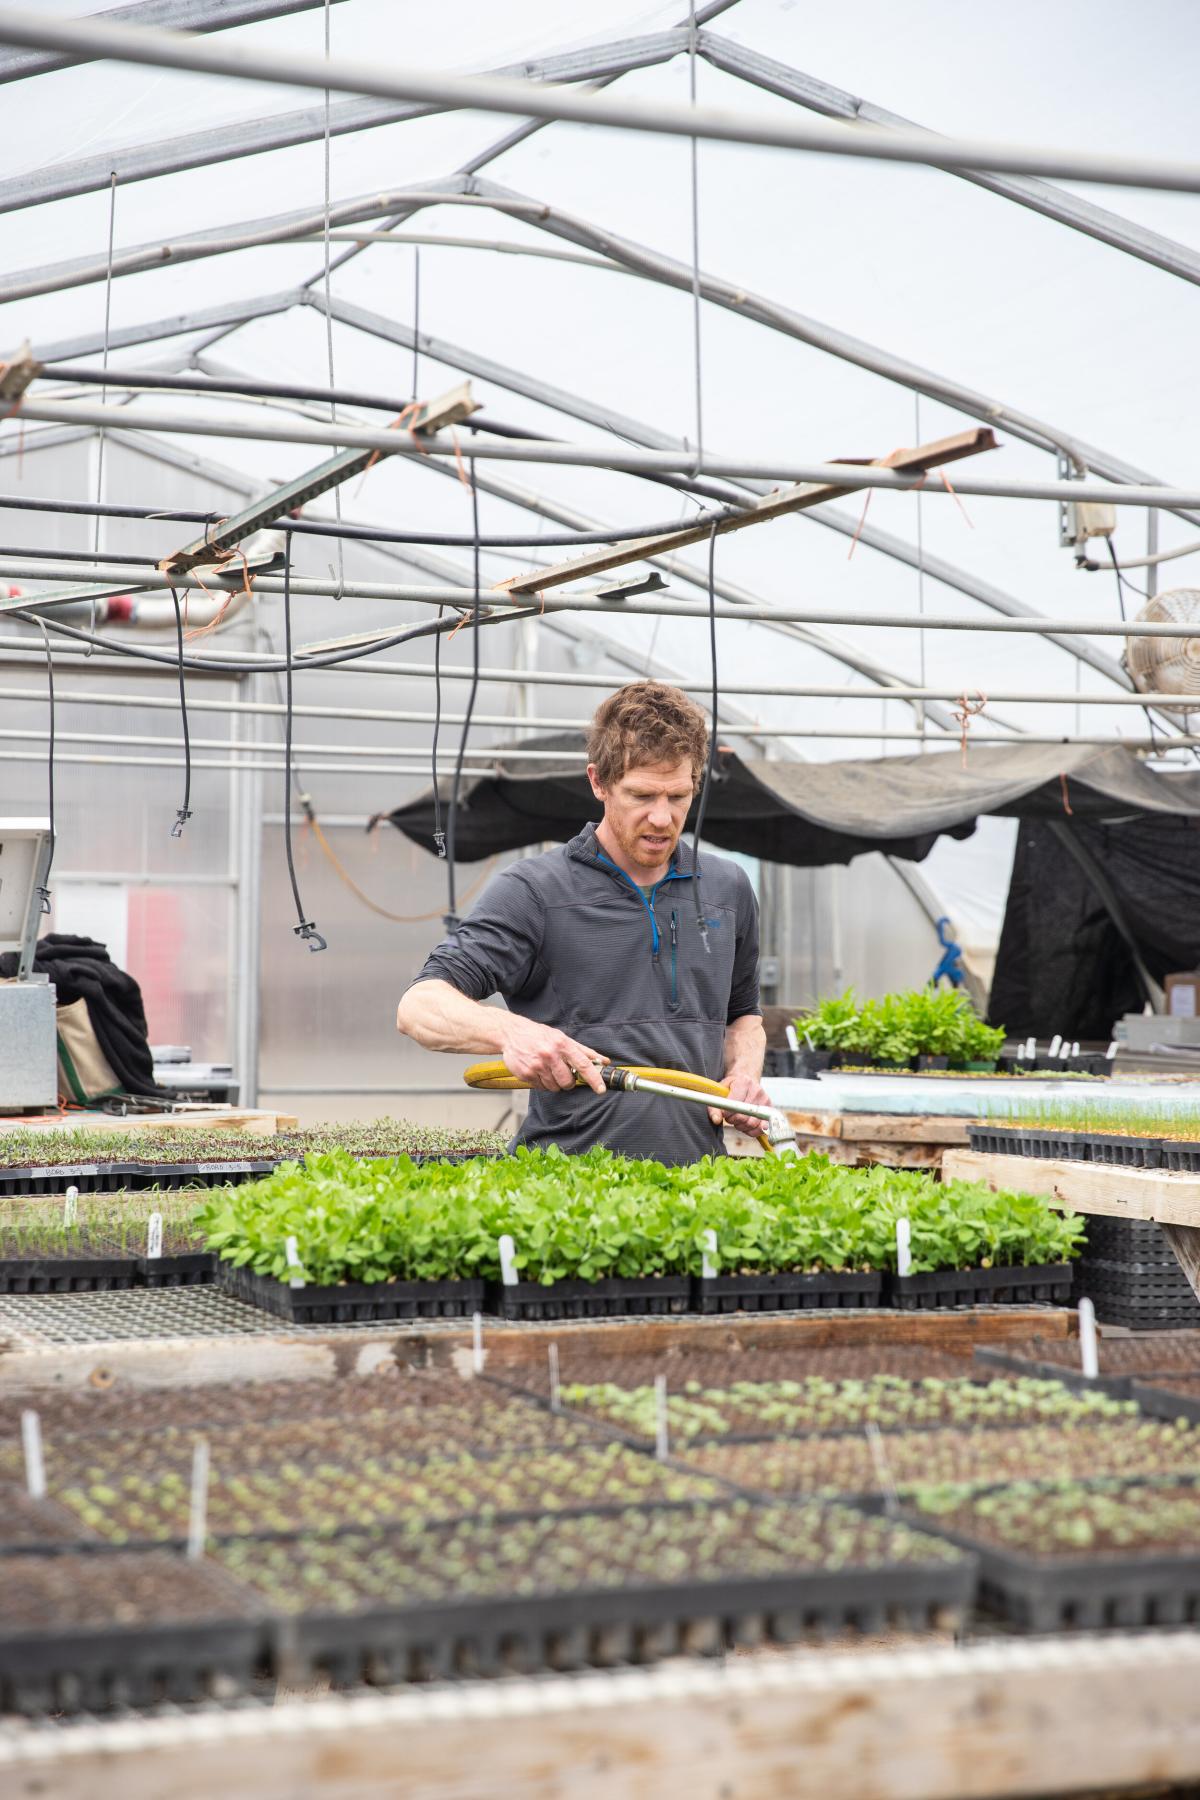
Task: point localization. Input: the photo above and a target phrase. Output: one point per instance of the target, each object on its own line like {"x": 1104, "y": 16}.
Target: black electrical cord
{"x": 91, "y": 556}
{"x": 44, "y": 890}
{"x": 184, "y": 813}
{"x": 365, "y": 533}
{"x": 451, "y": 919}
{"x": 305, "y": 930}
{"x": 702, "y": 807}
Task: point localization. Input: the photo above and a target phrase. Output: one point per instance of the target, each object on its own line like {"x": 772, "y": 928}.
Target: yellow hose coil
{"x": 495, "y": 1075}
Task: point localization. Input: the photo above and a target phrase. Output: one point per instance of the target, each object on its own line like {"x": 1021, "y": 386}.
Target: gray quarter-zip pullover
{"x": 569, "y": 940}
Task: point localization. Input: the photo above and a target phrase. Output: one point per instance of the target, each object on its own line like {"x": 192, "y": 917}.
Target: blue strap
{"x": 951, "y": 964}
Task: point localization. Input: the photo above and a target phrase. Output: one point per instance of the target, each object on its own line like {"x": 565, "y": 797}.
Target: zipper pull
{"x": 674, "y": 918}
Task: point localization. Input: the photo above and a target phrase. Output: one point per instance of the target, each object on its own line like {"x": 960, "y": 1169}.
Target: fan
{"x": 1164, "y": 665}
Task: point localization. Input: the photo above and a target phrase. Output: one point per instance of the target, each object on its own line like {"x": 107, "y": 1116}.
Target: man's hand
{"x": 742, "y": 1087}
{"x": 545, "y": 1058}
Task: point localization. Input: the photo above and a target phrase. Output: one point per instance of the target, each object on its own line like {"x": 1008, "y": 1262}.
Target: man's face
{"x": 646, "y": 809}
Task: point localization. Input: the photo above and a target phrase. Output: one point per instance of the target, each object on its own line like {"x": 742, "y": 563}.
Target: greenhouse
{"x": 599, "y": 900}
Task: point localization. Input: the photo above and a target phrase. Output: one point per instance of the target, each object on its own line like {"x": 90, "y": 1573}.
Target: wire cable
{"x": 439, "y": 836}
{"x": 699, "y": 385}
{"x": 702, "y": 807}
{"x": 451, "y": 920}
{"x": 416, "y": 317}
{"x": 44, "y": 890}
{"x": 305, "y": 930}
{"x": 184, "y": 813}
{"x": 112, "y": 222}
{"x": 337, "y": 492}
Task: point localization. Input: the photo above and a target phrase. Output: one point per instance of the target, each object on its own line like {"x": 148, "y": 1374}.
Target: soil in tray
{"x": 786, "y": 1408}
{"x": 542, "y": 1556}
{"x": 1175, "y": 1351}
{"x": 70, "y": 1593}
{"x": 144, "y": 1504}
{"x": 686, "y": 1362}
{"x": 25, "y": 1522}
{"x": 1099, "y": 1519}
{"x": 849, "y": 1465}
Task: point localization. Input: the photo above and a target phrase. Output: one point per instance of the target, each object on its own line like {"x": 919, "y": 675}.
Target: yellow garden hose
{"x": 625, "y": 1077}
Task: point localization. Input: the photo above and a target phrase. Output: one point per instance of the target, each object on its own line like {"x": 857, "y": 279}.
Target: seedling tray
{"x": 603, "y": 1627}
{"x": 1119, "y": 1386}
{"x": 612, "y": 1297}
{"x": 785, "y": 1293}
{"x": 1049, "y": 1283}
{"x": 95, "y": 1671}
{"x": 107, "y": 1178}
{"x": 1128, "y": 1270}
{"x": 354, "y": 1302}
{"x": 1025, "y": 1140}
{"x": 103, "y": 1273}
{"x": 184, "y": 1268}
{"x": 1165, "y": 1403}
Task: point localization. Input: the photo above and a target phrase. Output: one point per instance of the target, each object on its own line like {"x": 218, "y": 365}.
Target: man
{"x": 599, "y": 951}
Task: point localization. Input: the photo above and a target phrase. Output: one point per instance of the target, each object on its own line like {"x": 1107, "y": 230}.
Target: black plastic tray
{"x": 95, "y": 1671}
{"x": 351, "y": 1302}
{"x": 1025, "y": 1140}
{"x": 609, "y": 1298}
{"x": 107, "y": 1178}
{"x": 1162, "y": 1403}
{"x": 1118, "y": 1386}
{"x": 181, "y": 1268}
{"x": 785, "y": 1293}
{"x": 603, "y": 1627}
{"x": 102, "y": 1273}
{"x": 1129, "y": 1272}
{"x": 1046, "y": 1282}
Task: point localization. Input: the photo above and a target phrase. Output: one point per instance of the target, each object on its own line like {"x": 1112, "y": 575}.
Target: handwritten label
{"x": 508, "y": 1261}
{"x": 154, "y": 1236}
{"x": 903, "y": 1247}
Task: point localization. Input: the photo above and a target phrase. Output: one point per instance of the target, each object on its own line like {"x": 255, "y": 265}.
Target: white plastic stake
{"x": 1089, "y": 1353}
{"x": 71, "y": 1206}
{"x": 291, "y": 1251}
{"x": 903, "y": 1247}
{"x": 1020, "y": 1053}
{"x": 662, "y": 1442}
{"x": 708, "y": 1268}
{"x": 883, "y": 1469}
{"x": 1075, "y": 1047}
{"x": 477, "y": 1342}
{"x": 555, "y": 1402}
{"x": 1111, "y": 1052}
{"x": 793, "y": 1042}
{"x": 198, "y": 1511}
{"x": 508, "y": 1261}
{"x": 1031, "y": 1048}
{"x": 31, "y": 1444}
{"x": 1055, "y": 1042}
{"x": 154, "y": 1236}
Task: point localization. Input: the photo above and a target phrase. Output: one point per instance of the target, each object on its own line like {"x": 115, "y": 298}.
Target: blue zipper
{"x": 671, "y": 875}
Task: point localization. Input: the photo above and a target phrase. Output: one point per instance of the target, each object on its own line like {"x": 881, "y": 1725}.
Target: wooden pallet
{"x": 898, "y": 1140}
{"x": 1168, "y": 1199}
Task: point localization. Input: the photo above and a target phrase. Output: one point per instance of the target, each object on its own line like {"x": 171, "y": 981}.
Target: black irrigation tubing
{"x": 305, "y": 930}
{"x": 184, "y": 812}
{"x": 702, "y": 808}
{"x": 44, "y": 890}
{"x": 364, "y": 533}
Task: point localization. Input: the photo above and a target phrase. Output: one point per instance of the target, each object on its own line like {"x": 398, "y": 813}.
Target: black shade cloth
{"x": 1063, "y": 964}
{"x": 809, "y": 814}
{"x": 82, "y": 969}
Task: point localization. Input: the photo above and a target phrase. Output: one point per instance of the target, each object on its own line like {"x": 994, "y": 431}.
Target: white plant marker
{"x": 883, "y": 1469}
{"x": 1055, "y": 1044}
{"x": 555, "y": 1401}
{"x": 477, "y": 1343}
{"x": 198, "y": 1510}
{"x": 662, "y": 1440}
{"x": 508, "y": 1261}
{"x": 1031, "y": 1048}
{"x": 1075, "y": 1047}
{"x": 292, "y": 1252}
{"x": 1089, "y": 1352}
{"x": 71, "y": 1206}
{"x": 793, "y": 1042}
{"x": 708, "y": 1268}
{"x": 903, "y": 1247}
{"x": 31, "y": 1444}
{"x": 154, "y": 1236}
{"x": 1111, "y": 1052}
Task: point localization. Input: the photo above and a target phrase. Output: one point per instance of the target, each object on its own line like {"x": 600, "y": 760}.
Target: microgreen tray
{"x": 353, "y": 1302}
{"x": 84, "y": 1274}
{"x": 1049, "y": 1283}
{"x": 792, "y": 1292}
{"x": 1165, "y": 1402}
{"x": 611, "y": 1297}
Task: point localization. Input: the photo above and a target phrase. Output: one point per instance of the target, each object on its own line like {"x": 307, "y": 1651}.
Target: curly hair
{"x": 647, "y": 722}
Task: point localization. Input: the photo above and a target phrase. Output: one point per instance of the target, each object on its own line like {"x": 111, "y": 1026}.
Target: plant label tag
{"x": 477, "y": 1343}
{"x": 508, "y": 1261}
{"x": 793, "y": 1042}
{"x": 708, "y": 1269}
{"x": 903, "y": 1247}
{"x": 31, "y": 1444}
{"x": 154, "y": 1236}
{"x": 1089, "y": 1352}
{"x": 292, "y": 1253}
{"x": 662, "y": 1440}
{"x": 1055, "y": 1043}
{"x": 71, "y": 1206}
{"x": 883, "y": 1469}
{"x": 555, "y": 1401}
{"x": 1111, "y": 1052}
{"x": 198, "y": 1509}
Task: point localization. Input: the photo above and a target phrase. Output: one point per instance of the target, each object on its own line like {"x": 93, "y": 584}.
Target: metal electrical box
{"x": 28, "y": 1041}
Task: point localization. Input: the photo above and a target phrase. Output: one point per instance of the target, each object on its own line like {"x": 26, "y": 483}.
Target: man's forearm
{"x": 438, "y": 1017}
{"x": 745, "y": 1047}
